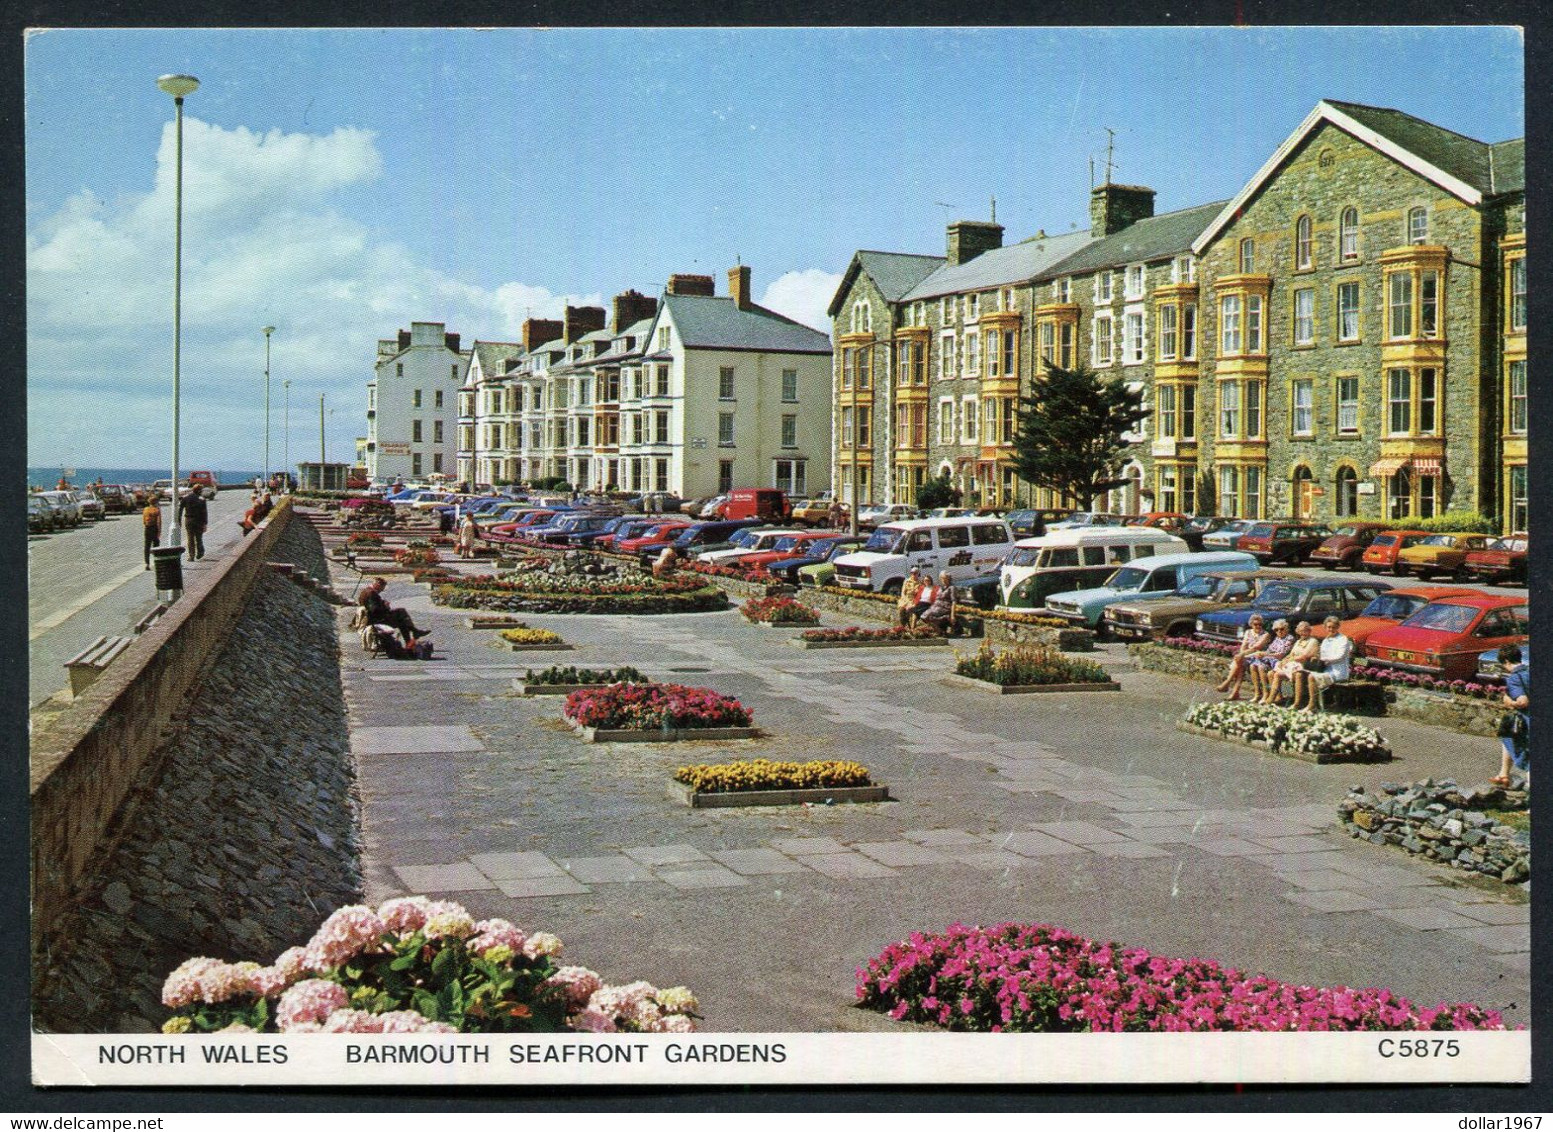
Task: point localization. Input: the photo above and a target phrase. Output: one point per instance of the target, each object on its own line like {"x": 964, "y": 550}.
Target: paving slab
{"x": 902, "y": 853}
{"x": 1032, "y": 843}
{"x": 656, "y": 855}
{"x": 1296, "y": 844}
{"x": 526, "y": 887}
{"x": 757, "y": 862}
{"x": 1230, "y": 847}
{"x": 1503, "y": 937}
{"x": 847, "y": 865}
{"x": 616, "y": 869}
{"x": 714, "y": 877}
{"x": 806, "y": 846}
{"x": 458, "y": 877}
{"x": 1494, "y": 913}
{"x": 943, "y": 837}
{"x": 1079, "y": 833}
{"x": 513, "y": 866}
{"x": 996, "y": 859}
{"x": 439, "y": 739}
{"x": 1128, "y": 849}
{"x": 1332, "y": 900}
{"x": 1427, "y": 918}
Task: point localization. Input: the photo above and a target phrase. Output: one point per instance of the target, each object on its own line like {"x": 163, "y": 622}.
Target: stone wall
{"x": 1444, "y": 822}
{"x": 89, "y": 758}
{"x": 238, "y": 837}
{"x": 1012, "y": 632}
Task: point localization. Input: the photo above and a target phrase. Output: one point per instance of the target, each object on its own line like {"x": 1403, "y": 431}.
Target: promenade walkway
{"x": 1089, "y": 811}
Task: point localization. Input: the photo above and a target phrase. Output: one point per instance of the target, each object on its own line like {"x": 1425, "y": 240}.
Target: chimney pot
{"x": 739, "y": 287}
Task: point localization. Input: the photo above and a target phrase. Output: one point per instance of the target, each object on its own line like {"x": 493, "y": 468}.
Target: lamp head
{"x": 178, "y": 85}
{"x": 268, "y": 330}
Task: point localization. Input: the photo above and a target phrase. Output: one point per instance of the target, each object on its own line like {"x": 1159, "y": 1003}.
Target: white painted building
{"x": 412, "y": 404}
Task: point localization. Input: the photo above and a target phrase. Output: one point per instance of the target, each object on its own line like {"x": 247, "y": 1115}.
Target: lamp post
{"x": 286, "y": 430}
{"x": 178, "y": 86}
{"x": 268, "y": 471}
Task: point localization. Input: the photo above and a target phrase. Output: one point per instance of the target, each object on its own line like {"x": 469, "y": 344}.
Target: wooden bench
{"x": 1353, "y": 697}
{"x": 88, "y": 664}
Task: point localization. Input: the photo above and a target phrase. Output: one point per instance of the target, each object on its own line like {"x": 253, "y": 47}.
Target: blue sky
{"x": 339, "y": 184}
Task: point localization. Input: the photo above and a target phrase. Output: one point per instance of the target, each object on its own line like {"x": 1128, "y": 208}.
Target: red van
{"x": 205, "y": 481}
{"x": 768, "y": 503}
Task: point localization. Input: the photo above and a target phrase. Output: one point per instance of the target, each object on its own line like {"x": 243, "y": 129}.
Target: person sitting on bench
{"x": 379, "y": 612}
{"x": 1331, "y": 666}
{"x": 939, "y": 615}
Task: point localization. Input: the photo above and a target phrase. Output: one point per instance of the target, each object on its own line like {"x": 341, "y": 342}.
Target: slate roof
{"x": 1156, "y": 237}
{"x": 1507, "y": 165}
{"x": 1013, "y": 263}
{"x": 494, "y": 356}
{"x": 893, "y": 273}
{"x": 1464, "y": 158}
{"x": 637, "y": 331}
{"x": 708, "y": 322}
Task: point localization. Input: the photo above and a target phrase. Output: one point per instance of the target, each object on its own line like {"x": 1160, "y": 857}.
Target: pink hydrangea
{"x": 577, "y": 983}
{"x": 495, "y": 933}
{"x": 411, "y": 1022}
{"x": 633, "y": 1006}
{"x": 675, "y": 1024}
{"x": 448, "y": 920}
{"x": 223, "y": 982}
{"x": 403, "y": 914}
{"x": 344, "y": 935}
{"x": 310, "y": 1001}
{"x": 353, "y": 1022}
{"x": 592, "y": 1020}
{"x": 542, "y": 944}
{"x": 182, "y": 987}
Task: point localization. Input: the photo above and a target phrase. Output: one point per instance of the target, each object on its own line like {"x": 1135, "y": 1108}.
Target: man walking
{"x": 195, "y": 518}
{"x": 151, "y": 520}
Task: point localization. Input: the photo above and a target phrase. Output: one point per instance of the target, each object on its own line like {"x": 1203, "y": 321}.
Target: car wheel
{"x": 1399, "y": 570}
{"x": 893, "y": 586}
{"x": 1181, "y": 629}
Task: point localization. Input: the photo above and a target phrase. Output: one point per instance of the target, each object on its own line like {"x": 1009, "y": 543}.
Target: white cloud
{"x": 803, "y": 296}
{"x": 263, "y": 243}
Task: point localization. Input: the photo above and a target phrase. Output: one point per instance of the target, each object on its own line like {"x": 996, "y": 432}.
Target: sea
{"x": 79, "y": 475}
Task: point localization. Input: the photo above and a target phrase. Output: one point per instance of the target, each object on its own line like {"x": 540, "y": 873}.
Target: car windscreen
{"x": 744, "y": 538}
{"x": 786, "y": 543}
{"x": 1261, "y": 530}
{"x": 1023, "y": 556}
{"x": 1127, "y": 578}
{"x": 1394, "y": 606}
{"x": 1201, "y": 586}
{"x": 1438, "y": 540}
{"x": 1444, "y": 616}
{"x": 883, "y": 540}
{"x": 1279, "y": 597}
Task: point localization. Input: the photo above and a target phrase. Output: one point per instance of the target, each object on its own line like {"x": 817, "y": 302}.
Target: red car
{"x": 1282, "y": 540}
{"x": 626, "y": 530}
{"x": 1445, "y": 638}
{"x": 654, "y": 538}
{"x": 1393, "y": 607}
{"x": 1171, "y": 521}
{"x": 1382, "y": 553}
{"x": 1346, "y": 545}
{"x": 513, "y": 532}
{"x": 789, "y": 546}
{"x": 1502, "y": 560}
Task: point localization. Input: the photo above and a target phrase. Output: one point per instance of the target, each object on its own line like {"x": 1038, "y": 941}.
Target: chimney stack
{"x": 969, "y": 238}
{"x": 691, "y": 285}
{"x": 631, "y": 307}
{"x": 451, "y": 342}
{"x": 1114, "y": 207}
{"x": 538, "y": 331}
{"x": 739, "y": 287}
{"x": 582, "y": 320}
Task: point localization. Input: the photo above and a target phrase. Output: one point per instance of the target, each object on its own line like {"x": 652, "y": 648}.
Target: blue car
{"x": 693, "y": 540}
{"x": 822, "y": 550}
{"x": 571, "y": 528}
{"x": 1294, "y": 600}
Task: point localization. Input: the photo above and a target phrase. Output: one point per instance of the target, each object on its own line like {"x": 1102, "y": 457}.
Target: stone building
{"x": 1345, "y": 337}
{"x": 412, "y": 404}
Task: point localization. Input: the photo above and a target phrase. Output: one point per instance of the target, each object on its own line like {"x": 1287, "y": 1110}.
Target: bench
{"x": 149, "y": 619}
{"x": 1353, "y": 697}
{"x": 88, "y": 664}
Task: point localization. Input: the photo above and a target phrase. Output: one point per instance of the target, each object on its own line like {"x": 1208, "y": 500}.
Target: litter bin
{"x": 168, "y": 563}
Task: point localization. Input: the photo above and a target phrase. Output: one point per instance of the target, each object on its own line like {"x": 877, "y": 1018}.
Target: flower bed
{"x": 1035, "y": 978}
{"x": 526, "y": 636}
{"x": 1445, "y": 823}
{"x": 417, "y": 556}
{"x": 865, "y": 595}
{"x": 1032, "y": 667}
{"x": 416, "y": 966}
{"x": 758, "y": 574}
{"x": 1393, "y": 677}
{"x": 1038, "y": 620}
{"x": 544, "y": 593}
{"x": 1313, "y": 736}
{"x": 856, "y": 633}
{"x": 571, "y": 674}
{"x": 436, "y": 576}
{"x": 766, "y": 774}
{"x": 360, "y": 539}
{"x": 654, "y": 707}
{"x": 778, "y": 611}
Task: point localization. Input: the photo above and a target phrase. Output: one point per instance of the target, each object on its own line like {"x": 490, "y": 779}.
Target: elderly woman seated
{"x": 940, "y": 614}
{"x": 1329, "y": 666}
{"x": 1262, "y": 663}
{"x": 1292, "y": 665}
{"x": 1252, "y": 642}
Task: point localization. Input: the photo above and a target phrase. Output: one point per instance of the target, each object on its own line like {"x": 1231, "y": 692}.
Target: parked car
{"x": 963, "y": 548}
{"x": 1199, "y": 526}
{"x": 821, "y": 552}
{"x": 40, "y": 519}
{"x": 1490, "y": 671}
{"x": 768, "y": 503}
{"x": 1392, "y": 608}
{"x": 655, "y": 537}
{"x": 1088, "y": 519}
{"x": 1227, "y": 537}
{"x": 1288, "y": 541}
{"x": 629, "y": 527}
{"x": 1346, "y": 545}
{"x": 58, "y": 517}
{"x": 1440, "y": 554}
{"x": 751, "y": 540}
{"x": 1149, "y": 578}
{"x": 115, "y": 499}
{"x": 1501, "y": 560}
{"x": 785, "y": 549}
{"x": 1172, "y": 521}
{"x": 876, "y": 514}
{"x": 1026, "y": 522}
{"x": 1074, "y": 558}
{"x": 1445, "y": 638}
{"x": 716, "y": 534}
{"x": 811, "y": 513}
{"x": 205, "y": 481}
{"x": 67, "y": 505}
{"x": 1381, "y": 554}
{"x": 517, "y": 529}
{"x": 141, "y": 493}
{"x": 91, "y": 506}
{"x": 979, "y": 592}
{"x": 1296, "y": 599}
{"x": 573, "y": 527}
{"x": 1175, "y": 615}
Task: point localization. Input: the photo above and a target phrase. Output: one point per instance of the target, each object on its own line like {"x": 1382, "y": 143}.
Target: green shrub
{"x": 1029, "y": 664}
{"x": 571, "y": 674}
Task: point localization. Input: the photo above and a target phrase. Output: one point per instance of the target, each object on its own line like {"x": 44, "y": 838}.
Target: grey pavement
{"x": 1088, "y": 811}
{"x": 91, "y": 582}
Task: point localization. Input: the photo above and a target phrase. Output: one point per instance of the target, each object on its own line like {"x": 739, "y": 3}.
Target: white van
{"x": 965, "y": 548}
{"x": 1075, "y": 559}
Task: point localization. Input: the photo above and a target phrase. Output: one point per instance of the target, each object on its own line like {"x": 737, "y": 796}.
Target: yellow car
{"x": 1440, "y": 554}
{"x": 811, "y": 513}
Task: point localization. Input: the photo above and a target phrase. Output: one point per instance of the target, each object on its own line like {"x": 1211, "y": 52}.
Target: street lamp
{"x": 286, "y": 430}
{"x": 178, "y": 86}
{"x": 268, "y": 471}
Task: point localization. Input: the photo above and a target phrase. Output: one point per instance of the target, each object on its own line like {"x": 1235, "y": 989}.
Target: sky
{"x": 339, "y": 184}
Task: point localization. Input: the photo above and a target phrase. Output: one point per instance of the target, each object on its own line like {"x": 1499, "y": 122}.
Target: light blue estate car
{"x": 1143, "y": 579}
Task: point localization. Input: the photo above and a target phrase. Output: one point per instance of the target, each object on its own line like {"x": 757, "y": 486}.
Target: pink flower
{"x": 403, "y": 914}
{"x": 411, "y": 1022}
{"x": 541, "y": 944}
{"x": 226, "y": 981}
{"x": 310, "y": 1001}
{"x": 347, "y": 933}
{"x": 576, "y": 983}
{"x": 592, "y": 1020}
{"x": 491, "y": 933}
{"x": 353, "y": 1022}
{"x": 183, "y": 986}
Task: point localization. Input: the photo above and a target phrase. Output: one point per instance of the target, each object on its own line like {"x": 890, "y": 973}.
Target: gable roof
{"x": 1462, "y": 166}
{"x": 1152, "y": 238}
{"x": 1013, "y": 263}
{"x": 1507, "y": 166}
{"x": 707, "y": 322}
{"x": 893, "y": 273}
{"x": 494, "y": 356}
